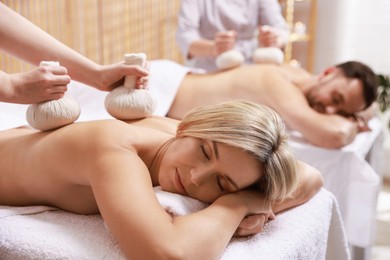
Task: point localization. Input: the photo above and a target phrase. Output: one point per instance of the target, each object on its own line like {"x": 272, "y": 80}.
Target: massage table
{"x": 314, "y": 230}
{"x": 353, "y": 174}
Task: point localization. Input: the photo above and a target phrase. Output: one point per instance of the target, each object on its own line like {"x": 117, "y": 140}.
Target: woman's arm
{"x": 309, "y": 183}
{"x": 30, "y": 43}
{"x": 128, "y": 204}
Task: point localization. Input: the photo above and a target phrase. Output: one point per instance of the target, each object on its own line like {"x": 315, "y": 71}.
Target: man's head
{"x": 345, "y": 89}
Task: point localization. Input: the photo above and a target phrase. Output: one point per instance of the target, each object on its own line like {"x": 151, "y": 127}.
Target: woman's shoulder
{"x": 117, "y": 131}
{"x": 158, "y": 123}
{"x": 94, "y": 128}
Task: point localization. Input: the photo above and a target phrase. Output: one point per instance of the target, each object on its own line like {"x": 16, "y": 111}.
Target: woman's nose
{"x": 198, "y": 176}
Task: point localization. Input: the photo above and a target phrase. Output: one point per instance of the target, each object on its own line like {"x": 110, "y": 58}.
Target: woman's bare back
{"x": 52, "y": 168}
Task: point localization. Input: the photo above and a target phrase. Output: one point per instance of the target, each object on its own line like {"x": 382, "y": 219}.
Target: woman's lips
{"x": 179, "y": 185}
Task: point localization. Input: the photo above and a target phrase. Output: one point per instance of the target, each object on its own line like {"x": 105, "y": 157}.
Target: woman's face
{"x": 205, "y": 170}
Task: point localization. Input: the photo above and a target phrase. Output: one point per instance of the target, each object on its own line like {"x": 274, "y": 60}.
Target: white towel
{"x": 164, "y": 82}
{"x": 7, "y": 211}
{"x": 12, "y": 115}
{"x": 177, "y": 204}
{"x": 299, "y": 233}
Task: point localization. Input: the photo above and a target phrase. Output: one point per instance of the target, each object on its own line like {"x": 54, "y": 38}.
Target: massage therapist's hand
{"x": 269, "y": 37}
{"x": 224, "y": 41}
{"x": 259, "y": 213}
{"x": 40, "y": 84}
{"x": 111, "y": 76}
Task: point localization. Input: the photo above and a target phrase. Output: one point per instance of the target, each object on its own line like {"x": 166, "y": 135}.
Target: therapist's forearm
{"x": 202, "y": 48}
{"x": 5, "y": 86}
{"x": 32, "y": 44}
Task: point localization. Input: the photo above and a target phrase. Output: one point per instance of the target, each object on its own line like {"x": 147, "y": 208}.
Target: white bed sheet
{"x": 353, "y": 175}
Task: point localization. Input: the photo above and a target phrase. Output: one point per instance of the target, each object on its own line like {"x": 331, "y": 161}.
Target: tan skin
{"x": 110, "y": 167}
{"x": 288, "y": 90}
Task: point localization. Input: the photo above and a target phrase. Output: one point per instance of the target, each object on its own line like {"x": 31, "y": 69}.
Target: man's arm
{"x": 329, "y": 131}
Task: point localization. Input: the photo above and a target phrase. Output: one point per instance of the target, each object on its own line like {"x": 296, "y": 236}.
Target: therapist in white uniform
{"x": 207, "y": 28}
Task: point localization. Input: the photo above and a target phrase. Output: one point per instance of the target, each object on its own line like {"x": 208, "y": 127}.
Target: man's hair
{"x": 254, "y": 128}
{"x": 358, "y": 70}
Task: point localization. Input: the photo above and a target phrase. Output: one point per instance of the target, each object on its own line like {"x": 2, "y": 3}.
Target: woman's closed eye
{"x": 220, "y": 182}
{"x": 205, "y": 154}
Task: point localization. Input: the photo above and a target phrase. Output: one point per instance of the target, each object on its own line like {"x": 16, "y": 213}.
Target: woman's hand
{"x": 253, "y": 224}
{"x": 259, "y": 213}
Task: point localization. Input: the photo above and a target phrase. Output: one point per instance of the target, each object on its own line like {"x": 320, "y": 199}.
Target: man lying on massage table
{"x": 233, "y": 155}
{"x": 323, "y": 108}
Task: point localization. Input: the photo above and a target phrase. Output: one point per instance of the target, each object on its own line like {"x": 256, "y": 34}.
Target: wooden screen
{"x": 103, "y": 30}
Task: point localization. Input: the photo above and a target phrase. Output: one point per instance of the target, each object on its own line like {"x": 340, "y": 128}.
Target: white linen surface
{"x": 313, "y": 230}
{"x": 349, "y": 174}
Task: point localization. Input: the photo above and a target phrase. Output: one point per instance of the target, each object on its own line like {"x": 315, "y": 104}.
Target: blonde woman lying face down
{"x": 233, "y": 155}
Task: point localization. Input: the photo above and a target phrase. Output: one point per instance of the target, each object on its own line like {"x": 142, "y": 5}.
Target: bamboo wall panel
{"x": 103, "y": 30}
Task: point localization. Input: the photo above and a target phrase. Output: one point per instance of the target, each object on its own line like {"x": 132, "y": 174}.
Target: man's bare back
{"x": 258, "y": 82}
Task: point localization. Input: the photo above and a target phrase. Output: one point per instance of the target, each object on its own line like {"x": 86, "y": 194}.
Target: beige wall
{"x": 353, "y": 29}
{"x": 103, "y": 30}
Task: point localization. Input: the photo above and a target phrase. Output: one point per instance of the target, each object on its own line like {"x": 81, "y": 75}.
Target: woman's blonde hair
{"x": 254, "y": 128}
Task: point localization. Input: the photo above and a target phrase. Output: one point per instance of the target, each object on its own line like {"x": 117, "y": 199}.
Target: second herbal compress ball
{"x": 126, "y": 102}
